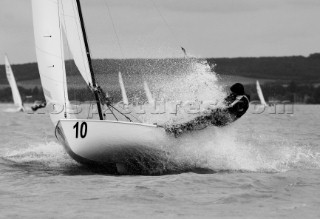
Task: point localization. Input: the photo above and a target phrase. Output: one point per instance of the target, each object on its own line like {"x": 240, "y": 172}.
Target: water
{"x": 262, "y": 166}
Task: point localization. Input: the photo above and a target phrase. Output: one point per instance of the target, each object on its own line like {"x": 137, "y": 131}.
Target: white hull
{"x": 113, "y": 144}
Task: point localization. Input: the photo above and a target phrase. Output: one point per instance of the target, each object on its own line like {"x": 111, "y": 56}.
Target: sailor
{"x": 237, "y": 101}
{"x": 236, "y": 105}
{"x": 38, "y": 105}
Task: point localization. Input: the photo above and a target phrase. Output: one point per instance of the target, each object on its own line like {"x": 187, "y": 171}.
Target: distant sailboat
{"x": 123, "y": 91}
{"x": 14, "y": 88}
{"x": 260, "y": 94}
{"x": 148, "y": 93}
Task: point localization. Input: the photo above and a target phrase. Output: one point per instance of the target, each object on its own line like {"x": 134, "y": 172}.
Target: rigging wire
{"x": 112, "y": 112}
{"x": 114, "y": 28}
{"x": 120, "y": 113}
{"x": 169, "y": 28}
{"x": 122, "y": 54}
{"x": 122, "y": 51}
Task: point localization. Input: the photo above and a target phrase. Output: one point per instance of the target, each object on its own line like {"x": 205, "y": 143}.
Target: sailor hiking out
{"x": 236, "y": 105}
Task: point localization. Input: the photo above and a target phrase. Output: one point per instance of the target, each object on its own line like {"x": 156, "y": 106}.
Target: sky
{"x": 158, "y": 28}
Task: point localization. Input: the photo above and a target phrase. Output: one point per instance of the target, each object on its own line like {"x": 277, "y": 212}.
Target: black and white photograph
{"x": 160, "y": 109}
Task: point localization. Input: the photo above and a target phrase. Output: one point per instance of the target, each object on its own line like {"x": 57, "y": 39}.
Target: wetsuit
{"x": 237, "y": 105}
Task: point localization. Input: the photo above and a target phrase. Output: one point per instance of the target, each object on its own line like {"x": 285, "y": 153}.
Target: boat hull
{"x": 117, "y": 147}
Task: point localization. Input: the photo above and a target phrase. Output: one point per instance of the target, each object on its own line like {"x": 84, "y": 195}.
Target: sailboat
{"x": 109, "y": 144}
{"x": 148, "y": 93}
{"x": 14, "y": 88}
{"x": 113, "y": 145}
{"x": 123, "y": 91}
{"x": 260, "y": 95}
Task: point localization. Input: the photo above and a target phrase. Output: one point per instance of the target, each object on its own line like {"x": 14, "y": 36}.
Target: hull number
{"x": 82, "y": 131}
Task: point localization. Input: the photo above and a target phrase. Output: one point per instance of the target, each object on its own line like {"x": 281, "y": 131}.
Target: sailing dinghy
{"x": 148, "y": 93}
{"x": 260, "y": 95}
{"x": 116, "y": 146}
{"x": 125, "y": 100}
{"x": 14, "y": 88}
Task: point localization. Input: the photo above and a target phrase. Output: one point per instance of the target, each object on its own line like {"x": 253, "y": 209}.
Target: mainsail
{"x": 260, "y": 94}
{"x": 12, "y": 81}
{"x": 50, "y": 17}
{"x": 50, "y": 55}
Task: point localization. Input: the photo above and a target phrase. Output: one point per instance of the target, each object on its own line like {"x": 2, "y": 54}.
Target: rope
{"x": 121, "y": 113}
{"x": 108, "y": 102}
{"x": 112, "y": 113}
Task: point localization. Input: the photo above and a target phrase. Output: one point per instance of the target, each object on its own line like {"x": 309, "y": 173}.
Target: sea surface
{"x": 265, "y": 165}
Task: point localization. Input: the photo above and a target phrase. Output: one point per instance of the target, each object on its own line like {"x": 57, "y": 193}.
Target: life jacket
{"x": 239, "y": 106}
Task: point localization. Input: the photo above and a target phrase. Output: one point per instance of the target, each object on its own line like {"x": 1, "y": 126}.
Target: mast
{"x": 94, "y": 85}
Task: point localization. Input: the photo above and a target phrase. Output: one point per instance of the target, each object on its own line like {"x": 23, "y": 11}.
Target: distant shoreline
{"x": 294, "y": 78}
{"x": 288, "y": 68}
{"x": 273, "y": 91}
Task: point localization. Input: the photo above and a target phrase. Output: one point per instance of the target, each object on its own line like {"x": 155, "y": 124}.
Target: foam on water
{"x": 48, "y": 156}
{"x": 216, "y": 149}
{"x": 222, "y": 149}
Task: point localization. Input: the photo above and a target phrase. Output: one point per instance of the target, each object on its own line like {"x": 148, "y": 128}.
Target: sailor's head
{"x": 237, "y": 89}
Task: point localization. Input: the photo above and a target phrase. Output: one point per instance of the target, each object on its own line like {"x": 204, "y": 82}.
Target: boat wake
{"x": 42, "y": 158}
